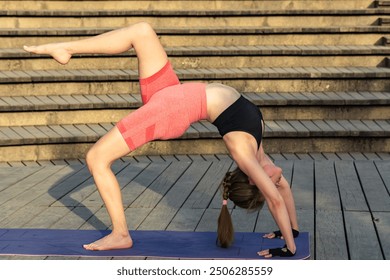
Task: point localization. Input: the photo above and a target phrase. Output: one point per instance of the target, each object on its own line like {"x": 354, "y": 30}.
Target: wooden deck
{"x": 342, "y": 199}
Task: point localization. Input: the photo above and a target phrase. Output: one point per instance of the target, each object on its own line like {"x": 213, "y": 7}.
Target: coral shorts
{"x": 168, "y": 111}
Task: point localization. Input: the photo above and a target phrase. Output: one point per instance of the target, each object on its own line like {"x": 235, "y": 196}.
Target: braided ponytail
{"x": 236, "y": 187}
{"x": 225, "y": 226}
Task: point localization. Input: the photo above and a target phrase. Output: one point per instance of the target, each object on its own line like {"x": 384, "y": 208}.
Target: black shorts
{"x": 242, "y": 115}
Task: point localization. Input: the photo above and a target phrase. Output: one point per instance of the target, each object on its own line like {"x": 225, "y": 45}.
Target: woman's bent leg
{"x": 99, "y": 159}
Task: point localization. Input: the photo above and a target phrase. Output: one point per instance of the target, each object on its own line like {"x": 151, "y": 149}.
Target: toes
{"x": 91, "y": 247}
{"x": 28, "y": 48}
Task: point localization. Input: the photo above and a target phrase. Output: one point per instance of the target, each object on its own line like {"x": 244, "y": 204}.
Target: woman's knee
{"x": 95, "y": 161}
{"x": 142, "y": 29}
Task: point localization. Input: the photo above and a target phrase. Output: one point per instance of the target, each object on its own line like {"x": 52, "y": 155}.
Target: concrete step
{"x": 84, "y": 109}
{"x": 382, "y": 4}
{"x": 185, "y": 5}
{"x": 212, "y": 57}
{"x": 213, "y": 36}
{"x": 273, "y": 79}
{"x": 298, "y": 136}
{"x": 194, "y": 18}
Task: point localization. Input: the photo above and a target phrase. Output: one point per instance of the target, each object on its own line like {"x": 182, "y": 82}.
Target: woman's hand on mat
{"x": 278, "y": 234}
{"x": 276, "y": 252}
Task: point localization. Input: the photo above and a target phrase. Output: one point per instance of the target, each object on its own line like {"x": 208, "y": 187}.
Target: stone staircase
{"x": 318, "y": 70}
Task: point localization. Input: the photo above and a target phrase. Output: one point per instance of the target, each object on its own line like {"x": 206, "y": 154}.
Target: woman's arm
{"x": 243, "y": 150}
{"x": 283, "y": 187}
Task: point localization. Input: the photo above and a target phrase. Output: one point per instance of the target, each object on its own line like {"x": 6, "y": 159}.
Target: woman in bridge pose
{"x": 169, "y": 109}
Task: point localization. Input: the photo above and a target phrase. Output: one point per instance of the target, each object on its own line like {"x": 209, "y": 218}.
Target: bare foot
{"x": 110, "y": 242}
{"x": 57, "y": 51}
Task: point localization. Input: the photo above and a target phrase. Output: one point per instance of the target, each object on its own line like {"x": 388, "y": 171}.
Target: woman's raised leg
{"x": 140, "y": 36}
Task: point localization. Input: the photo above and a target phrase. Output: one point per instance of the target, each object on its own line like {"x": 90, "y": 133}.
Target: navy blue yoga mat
{"x": 164, "y": 244}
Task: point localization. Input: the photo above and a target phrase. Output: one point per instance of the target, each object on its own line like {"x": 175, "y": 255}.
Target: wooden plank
{"x": 36, "y": 132}
{"x": 382, "y": 223}
{"x": 384, "y": 156}
{"x": 142, "y": 159}
{"x": 84, "y": 188}
{"x": 374, "y": 189}
{"x": 61, "y": 189}
{"x": 244, "y": 221}
{"x": 48, "y": 217}
{"x": 344, "y": 156}
{"x": 135, "y": 216}
{"x": 63, "y": 133}
{"x": 207, "y": 188}
{"x": 291, "y": 156}
{"x": 201, "y": 129}
{"x": 11, "y": 134}
{"x": 169, "y": 205}
{"x": 144, "y": 179}
{"x": 351, "y": 194}
{"x": 97, "y": 129}
{"x": 87, "y": 131}
{"x": 210, "y": 157}
{"x": 303, "y": 184}
{"x": 276, "y": 156}
{"x": 372, "y": 156}
{"x": 383, "y": 124}
{"x": 326, "y": 188}
{"x": 186, "y": 219}
{"x": 304, "y": 156}
{"x": 76, "y": 133}
{"x": 209, "y": 220}
{"x": 48, "y": 132}
{"x": 18, "y": 217}
{"x": 357, "y": 156}
{"x": 154, "y": 193}
{"x": 24, "y": 185}
{"x": 265, "y": 221}
{"x": 330, "y": 236}
{"x": 362, "y": 239}
{"x": 100, "y": 220}
{"x": 311, "y": 126}
{"x": 329, "y": 219}
{"x": 158, "y": 220}
{"x": 75, "y": 218}
{"x": 299, "y": 127}
{"x": 325, "y": 128}
{"x": 217, "y": 196}
{"x": 286, "y": 127}
{"x": 54, "y": 175}
{"x": 11, "y": 175}
{"x": 169, "y": 158}
{"x": 156, "y": 159}
{"x": 383, "y": 169}
{"x": 186, "y": 184}
{"x": 318, "y": 156}
{"x": 306, "y": 223}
